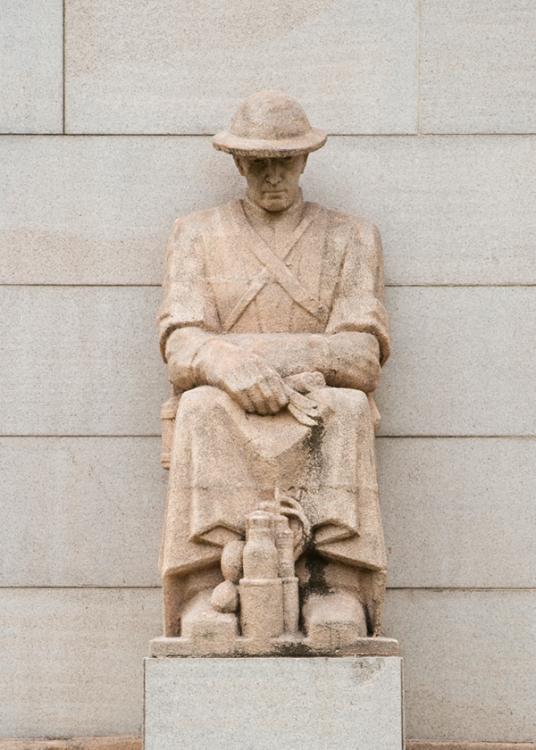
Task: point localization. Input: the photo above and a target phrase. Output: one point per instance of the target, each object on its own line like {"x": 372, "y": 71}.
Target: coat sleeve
{"x": 188, "y": 313}
{"x": 187, "y": 300}
{"x": 358, "y": 304}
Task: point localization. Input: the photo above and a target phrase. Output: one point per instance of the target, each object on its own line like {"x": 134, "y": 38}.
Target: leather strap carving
{"x": 275, "y": 268}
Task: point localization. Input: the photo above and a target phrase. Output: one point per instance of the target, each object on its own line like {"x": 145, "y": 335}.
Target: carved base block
{"x": 214, "y": 641}
{"x": 273, "y": 703}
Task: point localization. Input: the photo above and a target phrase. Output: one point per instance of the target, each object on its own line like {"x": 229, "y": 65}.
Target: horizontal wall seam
{"x": 157, "y": 435}
{"x": 78, "y": 436}
{"x": 413, "y": 134}
{"x": 129, "y": 742}
{"x": 112, "y": 285}
{"x": 155, "y": 587}
{"x": 477, "y": 589}
{"x": 483, "y": 745}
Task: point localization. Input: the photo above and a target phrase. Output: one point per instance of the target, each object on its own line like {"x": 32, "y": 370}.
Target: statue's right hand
{"x": 246, "y": 377}
{"x": 252, "y": 383}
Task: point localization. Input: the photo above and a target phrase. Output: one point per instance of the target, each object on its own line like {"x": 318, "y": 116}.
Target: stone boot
{"x": 334, "y": 620}
{"x": 211, "y": 632}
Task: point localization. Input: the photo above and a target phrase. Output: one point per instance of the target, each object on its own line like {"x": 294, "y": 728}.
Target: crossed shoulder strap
{"x": 274, "y": 268}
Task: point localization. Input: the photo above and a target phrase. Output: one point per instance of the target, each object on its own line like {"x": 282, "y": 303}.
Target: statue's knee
{"x": 360, "y": 403}
{"x": 201, "y": 401}
{"x": 356, "y": 397}
{"x": 346, "y": 400}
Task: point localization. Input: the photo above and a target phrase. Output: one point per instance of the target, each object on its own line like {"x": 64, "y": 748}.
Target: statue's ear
{"x": 239, "y": 165}
{"x": 305, "y": 157}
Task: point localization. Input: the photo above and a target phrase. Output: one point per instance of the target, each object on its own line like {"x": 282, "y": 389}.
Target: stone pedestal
{"x": 269, "y": 703}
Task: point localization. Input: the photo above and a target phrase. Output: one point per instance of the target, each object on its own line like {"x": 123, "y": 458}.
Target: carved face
{"x": 273, "y": 184}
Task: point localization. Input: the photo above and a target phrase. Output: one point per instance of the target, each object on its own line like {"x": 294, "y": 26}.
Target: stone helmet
{"x": 269, "y": 124}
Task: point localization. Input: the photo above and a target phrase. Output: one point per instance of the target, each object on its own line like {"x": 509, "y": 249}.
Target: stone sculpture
{"x": 274, "y": 332}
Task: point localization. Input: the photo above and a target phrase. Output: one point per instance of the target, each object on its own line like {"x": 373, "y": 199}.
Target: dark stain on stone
{"x": 363, "y": 671}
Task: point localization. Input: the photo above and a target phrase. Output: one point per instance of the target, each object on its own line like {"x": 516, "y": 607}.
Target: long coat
{"x": 231, "y": 274}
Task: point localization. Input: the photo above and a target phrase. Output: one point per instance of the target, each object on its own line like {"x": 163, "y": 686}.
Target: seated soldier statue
{"x": 273, "y": 329}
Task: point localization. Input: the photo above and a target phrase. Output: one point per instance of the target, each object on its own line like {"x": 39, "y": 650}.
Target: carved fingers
{"x": 302, "y": 408}
{"x": 304, "y": 382}
{"x": 268, "y": 395}
{"x": 256, "y": 386}
{"x": 259, "y": 389}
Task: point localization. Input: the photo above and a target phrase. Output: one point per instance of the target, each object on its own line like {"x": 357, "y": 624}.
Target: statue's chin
{"x": 275, "y": 203}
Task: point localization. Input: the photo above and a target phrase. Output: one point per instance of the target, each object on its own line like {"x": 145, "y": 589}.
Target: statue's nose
{"x": 273, "y": 175}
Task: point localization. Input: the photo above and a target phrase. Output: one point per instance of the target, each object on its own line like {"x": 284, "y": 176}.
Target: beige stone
{"x": 443, "y": 218}
{"x": 474, "y": 380}
{"x": 272, "y": 703}
{"x": 110, "y": 492}
{"x": 466, "y": 663}
{"x": 134, "y": 743}
{"x": 56, "y": 682}
{"x": 132, "y": 189}
{"x": 104, "y": 494}
{"x": 171, "y": 647}
{"x": 478, "y": 69}
{"x": 417, "y": 745}
{"x": 83, "y": 361}
{"x": 273, "y": 328}
{"x": 453, "y": 210}
{"x": 72, "y": 660}
{"x": 183, "y": 67}
{"x": 75, "y": 743}
{"x": 469, "y": 504}
{"x": 31, "y": 62}
{"x": 82, "y": 325}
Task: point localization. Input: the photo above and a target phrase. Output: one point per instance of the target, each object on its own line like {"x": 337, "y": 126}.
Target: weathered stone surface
{"x": 31, "y": 53}
{"x": 72, "y": 660}
{"x": 428, "y": 489}
{"x": 111, "y": 208}
{"x": 182, "y": 67}
{"x": 91, "y": 359}
{"x": 459, "y": 365}
{"x": 272, "y": 703}
{"x": 478, "y": 69}
{"x": 442, "y": 216}
{"x": 459, "y": 512}
{"x": 134, "y": 743}
{"x": 418, "y": 745}
{"x": 179, "y": 647}
{"x": 466, "y": 657}
{"x": 75, "y": 743}
{"x": 90, "y": 337}
{"x": 412, "y": 188}
{"x": 87, "y": 517}
{"x": 273, "y": 329}
{"x": 133, "y": 188}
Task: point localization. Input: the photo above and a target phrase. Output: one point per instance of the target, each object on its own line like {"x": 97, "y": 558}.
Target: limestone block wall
{"x": 105, "y": 114}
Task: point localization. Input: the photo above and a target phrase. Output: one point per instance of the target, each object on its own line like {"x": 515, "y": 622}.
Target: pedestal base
{"x": 287, "y": 645}
{"x": 318, "y": 703}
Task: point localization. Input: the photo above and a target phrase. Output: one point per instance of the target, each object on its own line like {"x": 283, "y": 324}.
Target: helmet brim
{"x": 265, "y": 149}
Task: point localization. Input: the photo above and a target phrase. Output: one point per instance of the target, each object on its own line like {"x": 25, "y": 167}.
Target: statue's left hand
{"x": 305, "y": 382}
{"x": 302, "y": 408}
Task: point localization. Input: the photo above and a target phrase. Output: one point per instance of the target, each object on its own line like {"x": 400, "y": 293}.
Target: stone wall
{"x": 105, "y": 114}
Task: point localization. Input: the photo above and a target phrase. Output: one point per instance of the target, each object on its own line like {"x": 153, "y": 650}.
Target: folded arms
{"x": 251, "y": 367}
